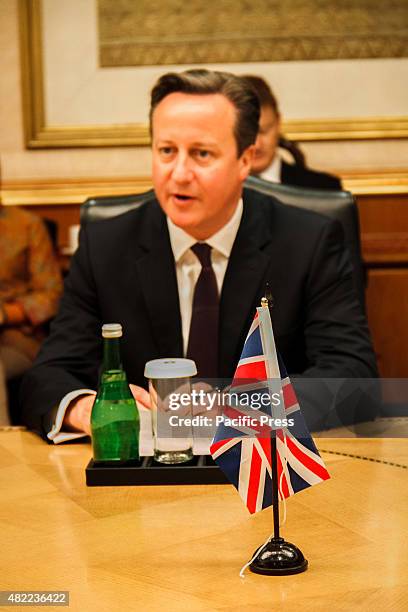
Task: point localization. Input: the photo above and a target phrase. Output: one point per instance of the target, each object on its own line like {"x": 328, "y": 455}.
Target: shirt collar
{"x": 221, "y": 241}
{"x": 273, "y": 172}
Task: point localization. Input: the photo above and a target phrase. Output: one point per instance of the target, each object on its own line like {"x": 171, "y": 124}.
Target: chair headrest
{"x": 335, "y": 204}
{"x": 104, "y": 207}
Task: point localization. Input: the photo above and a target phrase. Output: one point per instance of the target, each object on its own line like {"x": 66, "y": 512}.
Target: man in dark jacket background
{"x": 267, "y": 162}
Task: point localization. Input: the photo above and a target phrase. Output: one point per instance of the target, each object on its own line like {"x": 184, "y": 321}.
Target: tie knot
{"x": 203, "y": 252}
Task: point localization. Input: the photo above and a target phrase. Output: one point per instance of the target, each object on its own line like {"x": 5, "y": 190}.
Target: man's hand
{"x": 78, "y": 414}
{"x": 141, "y": 396}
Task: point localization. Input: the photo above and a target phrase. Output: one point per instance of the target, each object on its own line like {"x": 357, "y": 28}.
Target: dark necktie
{"x": 203, "y": 337}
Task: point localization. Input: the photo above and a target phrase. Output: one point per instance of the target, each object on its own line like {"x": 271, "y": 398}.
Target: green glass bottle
{"x": 115, "y": 421}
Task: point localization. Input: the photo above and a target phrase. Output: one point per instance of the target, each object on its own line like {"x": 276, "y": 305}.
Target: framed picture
{"x": 76, "y": 94}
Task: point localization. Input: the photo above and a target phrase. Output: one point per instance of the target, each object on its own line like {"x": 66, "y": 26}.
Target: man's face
{"x": 267, "y": 140}
{"x": 197, "y": 175}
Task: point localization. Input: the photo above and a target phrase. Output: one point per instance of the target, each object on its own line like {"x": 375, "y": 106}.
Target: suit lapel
{"x": 288, "y": 173}
{"x": 243, "y": 284}
{"x": 244, "y": 281}
{"x": 158, "y": 283}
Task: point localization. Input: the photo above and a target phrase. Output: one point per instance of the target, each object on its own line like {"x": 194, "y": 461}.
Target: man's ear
{"x": 246, "y": 161}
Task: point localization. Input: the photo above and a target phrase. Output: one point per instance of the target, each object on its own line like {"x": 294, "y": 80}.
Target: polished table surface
{"x": 181, "y": 548}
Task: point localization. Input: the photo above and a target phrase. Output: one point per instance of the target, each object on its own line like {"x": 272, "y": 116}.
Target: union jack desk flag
{"x": 262, "y": 401}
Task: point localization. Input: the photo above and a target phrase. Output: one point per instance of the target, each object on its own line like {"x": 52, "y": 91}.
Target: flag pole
{"x": 277, "y": 557}
{"x": 275, "y": 494}
{"x": 267, "y": 302}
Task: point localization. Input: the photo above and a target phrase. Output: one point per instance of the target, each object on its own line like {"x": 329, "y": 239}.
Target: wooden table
{"x": 181, "y": 548}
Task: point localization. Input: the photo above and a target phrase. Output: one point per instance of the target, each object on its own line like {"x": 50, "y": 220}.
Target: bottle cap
{"x": 112, "y": 330}
{"x": 170, "y": 368}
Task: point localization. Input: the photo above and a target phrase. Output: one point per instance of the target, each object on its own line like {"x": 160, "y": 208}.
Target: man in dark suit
{"x": 267, "y": 162}
{"x": 141, "y": 268}
{"x": 300, "y": 176}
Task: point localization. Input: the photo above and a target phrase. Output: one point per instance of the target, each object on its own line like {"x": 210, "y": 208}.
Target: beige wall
{"x": 79, "y": 92}
{"x": 306, "y": 90}
{"x": 19, "y": 163}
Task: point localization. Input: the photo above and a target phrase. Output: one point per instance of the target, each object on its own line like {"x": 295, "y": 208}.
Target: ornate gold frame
{"x": 39, "y": 135}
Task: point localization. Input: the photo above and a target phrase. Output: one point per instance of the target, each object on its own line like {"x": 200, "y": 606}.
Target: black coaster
{"x": 200, "y": 470}
{"x": 279, "y": 558}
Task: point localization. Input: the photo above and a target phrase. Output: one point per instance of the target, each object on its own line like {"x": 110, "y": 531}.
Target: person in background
{"x": 267, "y": 162}
{"x": 30, "y": 288}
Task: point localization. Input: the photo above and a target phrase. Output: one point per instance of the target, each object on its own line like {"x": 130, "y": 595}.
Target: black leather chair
{"x": 338, "y": 205}
{"x": 95, "y": 209}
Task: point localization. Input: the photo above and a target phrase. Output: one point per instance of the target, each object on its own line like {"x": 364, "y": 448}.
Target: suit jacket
{"x": 293, "y": 174}
{"x": 124, "y": 272}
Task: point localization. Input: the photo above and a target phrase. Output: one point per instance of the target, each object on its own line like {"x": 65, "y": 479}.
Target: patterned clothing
{"x": 29, "y": 272}
{"x": 30, "y": 276}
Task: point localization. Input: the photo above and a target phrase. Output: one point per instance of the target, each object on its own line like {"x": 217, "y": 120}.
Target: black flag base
{"x": 279, "y": 558}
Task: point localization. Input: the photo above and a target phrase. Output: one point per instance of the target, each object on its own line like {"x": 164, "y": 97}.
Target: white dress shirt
{"x": 188, "y": 269}
{"x": 273, "y": 172}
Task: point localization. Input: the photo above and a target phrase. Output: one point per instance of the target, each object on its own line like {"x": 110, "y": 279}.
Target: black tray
{"x": 200, "y": 470}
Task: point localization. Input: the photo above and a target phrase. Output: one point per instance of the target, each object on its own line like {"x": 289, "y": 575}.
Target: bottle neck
{"x": 111, "y": 354}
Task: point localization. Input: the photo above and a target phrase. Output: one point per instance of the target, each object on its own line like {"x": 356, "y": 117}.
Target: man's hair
{"x": 263, "y": 91}
{"x": 204, "y": 82}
